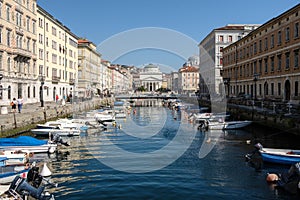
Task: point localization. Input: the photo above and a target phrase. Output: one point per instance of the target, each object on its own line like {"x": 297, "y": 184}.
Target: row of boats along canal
{"x": 288, "y": 180}
{"x": 24, "y": 171}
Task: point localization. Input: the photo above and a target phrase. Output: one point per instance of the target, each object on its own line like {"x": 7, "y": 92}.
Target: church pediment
{"x": 151, "y": 78}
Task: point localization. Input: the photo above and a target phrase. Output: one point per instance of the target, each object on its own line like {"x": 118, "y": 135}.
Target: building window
{"x": 266, "y": 65}
{"x": 260, "y": 46}
{"x": 41, "y": 54}
{"x": 272, "y": 64}
{"x": 260, "y": 66}
{"x": 8, "y": 65}
{"x": 272, "y": 88}
{"x": 8, "y": 38}
{"x": 287, "y": 34}
{"x": 296, "y": 59}
{"x": 279, "y": 89}
{"x": 254, "y": 48}
{"x": 28, "y": 44}
{"x": 54, "y": 31}
{"x": 28, "y": 91}
{"x": 230, "y": 38}
{"x": 296, "y": 30}
{"x": 1, "y": 4}
{"x": 28, "y": 23}
{"x": 33, "y": 27}
{"x": 296, "y": 88}
{"x": 0, "y": 34}
{"x": 221, "y": 38}
{"x": 8, "y": 13}
{"x": 279, "y": 37}
{"x": 266, "y": 43}
{"x": 34, "y": 47}
{"x": 272, "y": 40}
{"x": 260, "y": 89}
{"x": 287, "y": 60}
{"x": 18, "y": 18}
{"x": 33, "y": 91}
{"x": 279, "y": 61}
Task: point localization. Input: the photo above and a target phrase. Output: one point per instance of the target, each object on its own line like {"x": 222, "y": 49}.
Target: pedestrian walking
{"x": 20, "y": 103}
{"x": 13, "y": 104}
{"x": 56, "y": 98}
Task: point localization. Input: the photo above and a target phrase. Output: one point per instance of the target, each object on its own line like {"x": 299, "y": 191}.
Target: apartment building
{"x": 265, "y": 63}
{"x": 57, "y": 59}
{"x": 211, "y": 54}
{"x": 188, "y": 79}
{"x": 18, "y": 59}
{"x": 89, "y": 69}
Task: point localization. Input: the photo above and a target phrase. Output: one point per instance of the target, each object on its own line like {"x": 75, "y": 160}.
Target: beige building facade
{"x": 265, "y": 63}
{"x": 18, "y": 56}
{"x": 57, "y": 58}
{"x": 89, "y": 69}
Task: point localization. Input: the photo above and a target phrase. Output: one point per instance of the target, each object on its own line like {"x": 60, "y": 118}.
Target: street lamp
{"x": 42, "y": 79}
{"x": 255, "y": 79}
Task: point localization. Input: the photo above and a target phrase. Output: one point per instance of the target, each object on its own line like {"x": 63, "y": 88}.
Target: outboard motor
{"x": 258, "y": 146}
{"x": 23, "y": 188}
{"x": 58, "y": 139}
{"x": 33, "y": 177}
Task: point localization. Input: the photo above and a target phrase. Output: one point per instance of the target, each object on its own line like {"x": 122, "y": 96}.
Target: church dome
{"x": 151, "y": 68}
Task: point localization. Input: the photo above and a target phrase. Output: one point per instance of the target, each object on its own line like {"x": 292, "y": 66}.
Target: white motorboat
{"x": 105, "y": 116}
{"x": 222, "y": 125}
{"x": 46, "y": 132}
{"x": 27, "y": 144}
{"x": 7, "y": 174}
{"x": 62, "y": 123}
{"x": 120, "y": 114}
{"x": 13, "y": 157}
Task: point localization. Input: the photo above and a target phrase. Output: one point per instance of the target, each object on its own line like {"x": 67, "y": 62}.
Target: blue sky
{"x": 99, "y": 20}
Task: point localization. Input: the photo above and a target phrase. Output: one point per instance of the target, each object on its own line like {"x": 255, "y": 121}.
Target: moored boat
{"x": 280, "y": 156}
{"x": 7, "y": 174}
{"x": 27, "y": 144}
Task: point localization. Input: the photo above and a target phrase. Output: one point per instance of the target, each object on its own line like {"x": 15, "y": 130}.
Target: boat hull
{"x": 280, "y": 156}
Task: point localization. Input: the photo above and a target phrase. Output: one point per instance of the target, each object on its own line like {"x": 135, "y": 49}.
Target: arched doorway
{"x": 287, "y": 90}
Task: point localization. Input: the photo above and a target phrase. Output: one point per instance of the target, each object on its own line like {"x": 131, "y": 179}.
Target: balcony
{"x": 22, "y": 54}
{"x": 55, "y": 79}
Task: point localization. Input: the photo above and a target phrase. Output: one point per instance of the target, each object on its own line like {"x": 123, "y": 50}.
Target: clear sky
{"x": 99, "y": 20}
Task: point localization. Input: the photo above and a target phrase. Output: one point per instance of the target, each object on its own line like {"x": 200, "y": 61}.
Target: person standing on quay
{"x": 20, "y": 104}
{"x": 14, "y": 104}
{"x": 56, "y": 98}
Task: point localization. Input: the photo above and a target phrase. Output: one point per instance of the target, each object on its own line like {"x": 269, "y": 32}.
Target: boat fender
{"x": 45, "y": 171}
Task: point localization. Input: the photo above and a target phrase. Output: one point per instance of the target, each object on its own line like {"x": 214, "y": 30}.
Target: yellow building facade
{"x": 57, "y": 63}
{"x": 265, "y": 63}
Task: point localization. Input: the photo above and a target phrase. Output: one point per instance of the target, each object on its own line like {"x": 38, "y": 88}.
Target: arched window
{"x": 28, "y": 92}
{"x": 9, "y": 92}
{"x": 33, "y": 91}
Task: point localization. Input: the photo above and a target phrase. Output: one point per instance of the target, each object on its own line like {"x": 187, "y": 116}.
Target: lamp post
{"x": 255, "y": 79}
{"x": 42, "y": 79}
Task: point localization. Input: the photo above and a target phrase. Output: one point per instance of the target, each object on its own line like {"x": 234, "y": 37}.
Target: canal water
{"x": 158, "y": 154}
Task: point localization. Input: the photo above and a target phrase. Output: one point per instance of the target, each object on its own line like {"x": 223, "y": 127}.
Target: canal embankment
{"x": 14, "y": 123}
{"x": 264, "y": 116}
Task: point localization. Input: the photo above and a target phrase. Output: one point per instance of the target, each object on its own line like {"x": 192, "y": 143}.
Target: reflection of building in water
{"x": 148, "y": 103}
{"x": 151, "y": 78}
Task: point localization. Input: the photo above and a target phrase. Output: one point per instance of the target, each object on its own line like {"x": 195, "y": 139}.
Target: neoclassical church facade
{"x": 151, "y": 77}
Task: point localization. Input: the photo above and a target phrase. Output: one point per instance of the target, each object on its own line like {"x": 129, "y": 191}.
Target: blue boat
{"x": 21, "y": 141}
{"x": 280, "y": 156}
